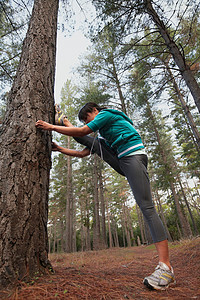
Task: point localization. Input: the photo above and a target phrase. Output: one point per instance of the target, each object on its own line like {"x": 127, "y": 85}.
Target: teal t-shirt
{"x": 118, "y": 131}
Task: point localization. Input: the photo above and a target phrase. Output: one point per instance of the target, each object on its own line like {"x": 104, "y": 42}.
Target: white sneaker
{"x": 161, "y": 278}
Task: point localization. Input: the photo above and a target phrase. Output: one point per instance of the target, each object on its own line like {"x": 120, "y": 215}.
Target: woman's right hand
{"x": 55, "y": 147}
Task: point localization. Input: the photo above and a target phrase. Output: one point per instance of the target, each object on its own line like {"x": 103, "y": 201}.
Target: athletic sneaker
{"x": 59, "y": 116}
{"x": 161, "y": 278}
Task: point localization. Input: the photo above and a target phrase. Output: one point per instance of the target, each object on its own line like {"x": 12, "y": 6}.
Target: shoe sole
{"x": 151, "y": 287}
{"x": 59, "y": 116}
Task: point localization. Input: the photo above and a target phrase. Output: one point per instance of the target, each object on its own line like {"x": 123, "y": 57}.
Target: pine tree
{"x": 26, "y": 152}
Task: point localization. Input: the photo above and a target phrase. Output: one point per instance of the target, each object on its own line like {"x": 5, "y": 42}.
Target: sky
{"x": 69, "y": 49}
{"x": 71, "y": 44}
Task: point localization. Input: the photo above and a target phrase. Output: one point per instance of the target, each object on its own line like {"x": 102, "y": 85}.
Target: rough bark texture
{"x": 26, "y": 152}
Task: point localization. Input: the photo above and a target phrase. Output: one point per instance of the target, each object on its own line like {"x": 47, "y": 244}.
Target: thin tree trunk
{"x": 74, "y": 245}
{"x": 178, "y": 57}
{"x": 49, "y": 238}
{"x": 54, "y": 236}
{"x": 179, "y": 231}
{"x": 26, "y": 151}
{"x": 183, "y": 222}
{"x": 185, "y": 108}
{"x": 88, "y": 239}
{"x": 69, "y": 205}
{"x": 109, "y": 229}
{"x": 139, "y": 214}
{"x": 96, "y": 220}
{"x": 124, "y": 222}
{"x": 188, "y": 207}
{"x": 160, "y": 210}
{"x": 168, "y": 169}
{"x": 128, "y": 236}
{"x": 82, "y": 211}
{"x": 121, "y": 97}
{"x": 123, "y": 236}
{"x": 115, "y": 234}
{"x": 62, "y": 236}
{"x": 102, "y": 201}
{"x": 147, "y": 232}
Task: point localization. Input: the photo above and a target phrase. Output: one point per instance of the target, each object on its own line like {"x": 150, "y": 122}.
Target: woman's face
{"x": 91, "y": 115}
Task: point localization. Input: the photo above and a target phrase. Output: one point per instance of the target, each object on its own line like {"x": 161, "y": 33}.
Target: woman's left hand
{"x": 44, "y": 125}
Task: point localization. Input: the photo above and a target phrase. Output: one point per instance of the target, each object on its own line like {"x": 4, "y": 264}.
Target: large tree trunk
{"x": 26, "y": 152}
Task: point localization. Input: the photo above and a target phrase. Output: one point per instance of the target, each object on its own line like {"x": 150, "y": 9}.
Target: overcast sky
{"x": 68, "y": 51}
{"x": 71, "y": 45}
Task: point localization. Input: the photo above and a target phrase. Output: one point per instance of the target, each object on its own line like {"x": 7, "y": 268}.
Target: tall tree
{"x": 105, "y": 63}
{"x": 26, "y": 152}
{"x": 68, "y": 94}
{"x": 130, "y": 16}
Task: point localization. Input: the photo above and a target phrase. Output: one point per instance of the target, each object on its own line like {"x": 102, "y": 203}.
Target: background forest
{"x": 127, "y": 67}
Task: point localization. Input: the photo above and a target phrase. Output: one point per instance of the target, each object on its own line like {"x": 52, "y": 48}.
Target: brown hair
{"x": 88, "y": 108}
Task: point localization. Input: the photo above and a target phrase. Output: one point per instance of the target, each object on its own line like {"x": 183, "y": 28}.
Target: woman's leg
{"x": 163, "y": 252}
{"x": 134, "y": 168}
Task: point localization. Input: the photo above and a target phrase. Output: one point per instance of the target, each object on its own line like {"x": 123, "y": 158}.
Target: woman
{"x": 122, "y": 138}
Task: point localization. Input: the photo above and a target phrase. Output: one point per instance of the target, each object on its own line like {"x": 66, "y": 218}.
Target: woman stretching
{"x": 127, "y": 150}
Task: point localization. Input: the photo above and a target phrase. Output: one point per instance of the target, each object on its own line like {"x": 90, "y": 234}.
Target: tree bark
{"x": 26, "y": 152}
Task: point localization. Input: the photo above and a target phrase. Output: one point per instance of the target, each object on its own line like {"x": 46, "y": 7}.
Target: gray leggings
{"x": 135, "y": 170}
{"x": 134, "y": 167}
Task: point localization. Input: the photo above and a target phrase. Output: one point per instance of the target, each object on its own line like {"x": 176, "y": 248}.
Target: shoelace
{"x": 158, "y": 271}
{"x": 96, "y": 136}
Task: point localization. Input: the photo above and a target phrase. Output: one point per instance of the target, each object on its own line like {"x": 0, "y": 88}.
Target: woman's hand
{"x": 44, "y": 125}
{"x": 55, "y": 147}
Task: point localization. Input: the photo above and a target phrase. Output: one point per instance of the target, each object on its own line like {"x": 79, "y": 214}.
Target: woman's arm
{"x": 75, "y": 153}
{"x": 70, "y": 131}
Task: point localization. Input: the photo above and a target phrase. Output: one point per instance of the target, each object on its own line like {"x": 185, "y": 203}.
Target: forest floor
{"x": 115, "y": 274}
